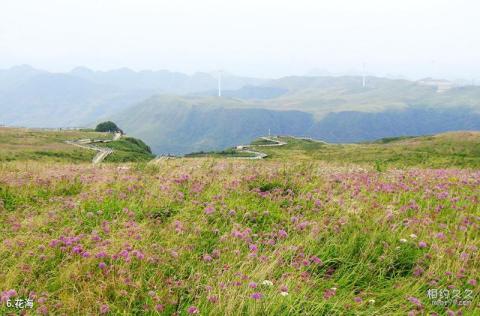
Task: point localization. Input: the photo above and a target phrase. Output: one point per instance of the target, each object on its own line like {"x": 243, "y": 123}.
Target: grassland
{"x": 18, "y": 144}
{"x": 231, "y": 237}
{"x": 314, "y": 229}
{"x": 128, "y": 149}
{"x": 455, "y": 149}
{"x": 227, "y": 153}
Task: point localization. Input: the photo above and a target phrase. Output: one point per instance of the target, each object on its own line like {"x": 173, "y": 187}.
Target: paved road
{"x": 249, "y": 148}
{"x": 259, "y": 154}
{"x": 102, "y": 152}
{"x": 276, "y": 143}
{"x": 117, "y": 136}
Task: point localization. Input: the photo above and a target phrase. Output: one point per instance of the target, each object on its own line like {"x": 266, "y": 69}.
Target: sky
{"x": 262, "y": 38}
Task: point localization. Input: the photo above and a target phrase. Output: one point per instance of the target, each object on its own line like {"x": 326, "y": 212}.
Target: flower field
{"x": 231, "y": 237}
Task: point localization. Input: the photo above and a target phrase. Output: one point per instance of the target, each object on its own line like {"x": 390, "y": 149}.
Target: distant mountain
{"x": 336, "y": 109}
{"x": 249, "y": 93}
{"x": 60, "y": 100}
{"x": 10, "y": 78}
{"x": 163, "y": 81}
{"x": 31, "y": 97}
{"x": 179, "y": 125}
{"x": 186, "y": 114}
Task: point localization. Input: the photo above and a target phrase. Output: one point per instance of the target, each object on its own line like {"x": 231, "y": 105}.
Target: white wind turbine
{"x": 219, "y": 83}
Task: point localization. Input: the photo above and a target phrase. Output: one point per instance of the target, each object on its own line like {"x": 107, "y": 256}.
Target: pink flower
{"x": 216, "y": 253}
{"x": 209, "y": 210}
{"x": 159, "y": 307}
{"x": 257, "y": 296}
{"x": 422, "y": 244}
{"x": 138, "y": 254}
{"x": 6, "y": 295}
{"x": 358, "y": 299}
{"x": 213, "y": 299}
{"x": 472, "y": 282}
{"x": 104, "y": 309}
{"x": 252, "y": 285}
{"x": 77, "y": 249}
{"x": 415, "y": 301}
{"x": 43, "y": 310}
{"x": 207, "y": 258}
{"x": 193, "y": 310}
{"x": 101, "y": 254}
{"x": 253, "y": 248}
{"x": 102, "y": 265}
{"x": 329, "y": 293}
{"x": 316, "y": 260}
{"x": 417, "y": 271}
{"x": 282, "y": 234}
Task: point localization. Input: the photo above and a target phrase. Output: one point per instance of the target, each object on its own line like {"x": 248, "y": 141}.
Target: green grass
{"x": 460, "y": 150}
{"x": 44, "y": 145}
{"x": 49, "y": 146}
{"x": 262, "y": 141}
{"x": 230, "y": 152}
{"x": 198, "y": 232}
{"x": 128, "y": 149}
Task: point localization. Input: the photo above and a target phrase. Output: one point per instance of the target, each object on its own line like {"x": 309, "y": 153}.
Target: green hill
{"x": 334, "y": 109}
{"x": 454, "y": 149}
{"x": 22, "y": 144}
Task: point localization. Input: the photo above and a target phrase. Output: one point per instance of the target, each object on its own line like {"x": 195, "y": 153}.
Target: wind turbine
{"x": 219, "y": 83}
{"x": 363, "y": 75}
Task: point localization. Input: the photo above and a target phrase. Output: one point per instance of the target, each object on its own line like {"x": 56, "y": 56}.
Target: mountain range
{"x": 179, "y": 113}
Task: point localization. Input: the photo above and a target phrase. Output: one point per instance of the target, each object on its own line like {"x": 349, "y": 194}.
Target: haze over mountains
{"x": 178, "y": 113}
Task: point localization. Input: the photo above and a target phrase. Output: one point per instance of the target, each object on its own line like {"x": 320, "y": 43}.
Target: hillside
{"x": 178, "y": 113}
{"x": 43, "y": 145}
{"x": 314, "y": 228}
{"x": 228, "y": 237}
{"x": 35, "y": 98}
{"x": 447, "y": 150}
{"x": 180, "y": 125}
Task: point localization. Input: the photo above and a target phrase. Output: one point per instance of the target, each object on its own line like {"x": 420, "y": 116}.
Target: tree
{"x": 108, "y": 126}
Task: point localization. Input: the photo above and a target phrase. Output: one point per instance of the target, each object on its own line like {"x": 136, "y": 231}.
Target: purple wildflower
{"x": 193, "y": 310}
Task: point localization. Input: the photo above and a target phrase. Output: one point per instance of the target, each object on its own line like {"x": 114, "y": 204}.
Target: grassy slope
{"x": 185, "y": 233}
{"x": 458, "y": 149}
{"x": 45, "y": 145}
{"x": 128, "y": 149}
{"x": 230, "y": 152}
{"x": 18, "y": 144}
{"x": 201, "y": 233}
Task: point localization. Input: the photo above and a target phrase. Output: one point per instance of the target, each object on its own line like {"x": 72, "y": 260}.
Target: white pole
{"x": 220, "y": 83}
{"x": 363, "y": 75}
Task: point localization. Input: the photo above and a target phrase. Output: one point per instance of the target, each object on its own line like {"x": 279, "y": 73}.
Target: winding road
{"x": 276, "y": 143}
{"x": 102, "y": 152}
{"x": 251, "y": 149}
{"x": 259, "y": 154}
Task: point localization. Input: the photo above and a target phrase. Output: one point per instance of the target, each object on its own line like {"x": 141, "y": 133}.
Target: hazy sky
{"x": 415, "y": 38}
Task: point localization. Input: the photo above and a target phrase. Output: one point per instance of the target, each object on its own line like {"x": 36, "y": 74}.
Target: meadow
{"x": 230, "y": 237}
{"x": 44, "y": 145}
{"x": 447, "y": 150}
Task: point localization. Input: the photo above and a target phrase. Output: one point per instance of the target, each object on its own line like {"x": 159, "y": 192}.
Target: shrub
{"x": 109, "y": 127}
